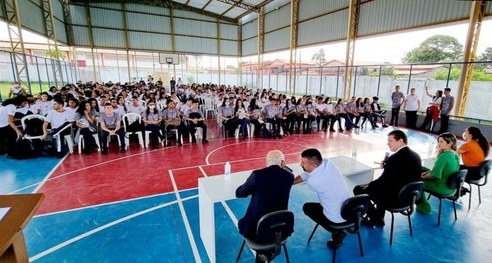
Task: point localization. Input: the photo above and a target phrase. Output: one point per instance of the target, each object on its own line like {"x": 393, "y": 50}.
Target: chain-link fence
{"x": 380, "y": 80}
{"x": 368, "y": 80}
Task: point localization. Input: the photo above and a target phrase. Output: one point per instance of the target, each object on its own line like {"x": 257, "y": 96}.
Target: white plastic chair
{"x": 147, "y": 138}
{"x": 68, "y": 139}
{"x": 131, "y": 118}
{"x": 30, "y": 117}
{"x": 81, "y": 142}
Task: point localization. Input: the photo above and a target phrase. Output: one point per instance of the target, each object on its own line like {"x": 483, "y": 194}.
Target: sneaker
{"x": 122, "y": 149}
{"x": 332, "y": 130}
{"x": 340, "y": 130}
{"x": 385, "y": 126}
{"x": 204, "y": 141}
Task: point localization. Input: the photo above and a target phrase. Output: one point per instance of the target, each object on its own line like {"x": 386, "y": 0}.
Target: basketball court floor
{"x": 142, "y": 205}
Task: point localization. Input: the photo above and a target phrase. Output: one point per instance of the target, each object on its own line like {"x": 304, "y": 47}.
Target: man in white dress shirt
{"x": 324, "y": 178}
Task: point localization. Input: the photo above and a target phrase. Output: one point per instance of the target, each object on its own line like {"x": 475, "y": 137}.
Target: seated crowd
{"x": 108, "y": 109}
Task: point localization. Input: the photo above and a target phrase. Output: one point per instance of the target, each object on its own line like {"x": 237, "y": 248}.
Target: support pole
{"x": 127, "y": 42}
{"x": 350, "y": 48}
{"x": 218, "y": 47}
{"x": 239, "y": 52}
{"x": 294, "y": 15}
{"x": 91, "y": 38}
{"x": 11, "y": 14}
{"x": 474, "y": 25}
{"x": 261, "y": 47}
{"x": 54, "y": 52}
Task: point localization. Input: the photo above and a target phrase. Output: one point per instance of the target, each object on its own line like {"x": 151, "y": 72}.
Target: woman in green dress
{"x": 447, "y": 163}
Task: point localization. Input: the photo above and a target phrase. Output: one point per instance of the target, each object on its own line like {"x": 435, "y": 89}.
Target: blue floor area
{"x": 464, "y": 240}
{"x": 23, "y": 176}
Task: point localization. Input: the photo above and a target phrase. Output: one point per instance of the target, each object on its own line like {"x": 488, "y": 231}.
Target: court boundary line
{"x": 41, "y": 183}
{"x": 103, "y": 227}
{"x": 186, "y": 222}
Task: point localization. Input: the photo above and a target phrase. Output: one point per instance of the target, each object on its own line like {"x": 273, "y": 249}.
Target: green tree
{"x": 478, "y": 75}
{"x": 436, "y": 48}
{"x": 486, "y": 55}
{"x": 52, "y": 53}
{"x": 319, "y": 57}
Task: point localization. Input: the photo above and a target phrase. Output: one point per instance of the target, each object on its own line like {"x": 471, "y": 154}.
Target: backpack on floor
{"x": 24, "y": 149}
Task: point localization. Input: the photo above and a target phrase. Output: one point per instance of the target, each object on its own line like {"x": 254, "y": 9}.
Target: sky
{"x": 390, "y": 48}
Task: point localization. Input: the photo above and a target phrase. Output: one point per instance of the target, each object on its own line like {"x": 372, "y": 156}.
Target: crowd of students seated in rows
{"x": 95, "y": 108}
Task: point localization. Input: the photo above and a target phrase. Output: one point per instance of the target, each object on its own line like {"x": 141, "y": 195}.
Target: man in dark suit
{"x": 270, "y": 189}
{"x": 400, "y": 169}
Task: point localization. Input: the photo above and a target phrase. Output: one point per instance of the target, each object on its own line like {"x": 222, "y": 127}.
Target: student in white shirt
{"x": 8, "y": 130}
{"x": 43, "y": 105}
{"x": 58, "y": 118}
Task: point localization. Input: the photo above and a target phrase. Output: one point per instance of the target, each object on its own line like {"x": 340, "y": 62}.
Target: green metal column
{"x": 239, "y": 53}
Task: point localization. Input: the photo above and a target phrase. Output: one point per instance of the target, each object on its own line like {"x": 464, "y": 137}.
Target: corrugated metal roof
{"x": 81, "y": 35}
{"x": 277, "y": 18}
{"x": 195, "y": 28}
{"x": 149, "y": 41}
{"x": 228, "y": 48}
{"x": 149, "y": 23}
{"x": 32, "y": 16}
{"x": 108, "y": 38}
{"x": 390, "y": 15}
{"x": 77, "y": 14}
{"x": 277, "y": 40}
{"x": 106, "y": 18}
{"x": 250, "y": 47}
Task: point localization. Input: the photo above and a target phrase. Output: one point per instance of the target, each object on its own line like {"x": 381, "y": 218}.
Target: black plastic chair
{"x": 407, "y": 197}
{"x": 455, "y": 181}
{"x": 352, "y": 211}
{"x": 272, "y": 232}
{"x": 484, "y": 172}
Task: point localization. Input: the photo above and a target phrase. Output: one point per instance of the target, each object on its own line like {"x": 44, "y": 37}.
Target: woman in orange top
{"x": 473, "y": 152}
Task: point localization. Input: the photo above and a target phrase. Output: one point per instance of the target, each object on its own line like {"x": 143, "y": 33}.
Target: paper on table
{"x": 3, "y": 212}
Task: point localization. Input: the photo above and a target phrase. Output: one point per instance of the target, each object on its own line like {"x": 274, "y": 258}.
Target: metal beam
{"x": 168, "y": 4}
{"x": 240, "y": 5}
{"x": 239, "y": 52}
{"x": 218, "y": 46}
{"x": 230, "y": 8}
{"x": 205, "y": 6}
{"x": 262, "y": 4}
{"x": 261, "y": 47}
{"x": 294, "y": 19}
{"x": 11, "y": 14}
{"x": 91, "y": 37}
{"x": 68, "y": 22}
{"x": 474, "y": 25}
{"x": 350, "y": 48}
{"x": 51, "y": 35}
{"x": 127, "y": 42}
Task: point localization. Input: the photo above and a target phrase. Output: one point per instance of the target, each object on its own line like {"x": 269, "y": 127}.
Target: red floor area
{"x": 95, "y": 179}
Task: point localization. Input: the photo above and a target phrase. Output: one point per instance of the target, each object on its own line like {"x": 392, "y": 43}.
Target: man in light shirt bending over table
{"x": 324, "y": 178}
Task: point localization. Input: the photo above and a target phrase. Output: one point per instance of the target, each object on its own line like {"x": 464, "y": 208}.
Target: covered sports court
{"x": 142, "y": 205}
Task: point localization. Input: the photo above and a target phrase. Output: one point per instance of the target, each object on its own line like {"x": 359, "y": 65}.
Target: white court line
{"x": 186, "y": 222}
{"x": 224, "y": 146}
{"x": 103, "y": 227}
{"x": 102, "y": 204}
{"x": 227, "y": 208}
{"x": 40, "y": 184}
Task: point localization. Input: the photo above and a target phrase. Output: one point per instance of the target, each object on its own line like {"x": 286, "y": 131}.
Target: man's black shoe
{"x": 204, "y": 141}
{"x": 333, "y": 245}
{"x": 366, "y": 221}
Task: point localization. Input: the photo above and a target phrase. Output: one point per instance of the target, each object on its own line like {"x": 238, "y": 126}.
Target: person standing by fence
{"x": 411, "y": 106}
{"x": 446, "y": 108}
{"x": 397, "y": 99}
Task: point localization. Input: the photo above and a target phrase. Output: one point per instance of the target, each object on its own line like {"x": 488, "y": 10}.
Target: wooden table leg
{"x": 17, "y": 252}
